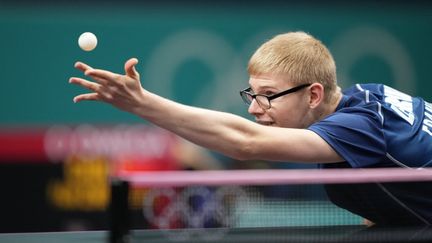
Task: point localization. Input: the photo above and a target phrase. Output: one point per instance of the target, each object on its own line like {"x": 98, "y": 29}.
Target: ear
{"x": 316, "y": 95}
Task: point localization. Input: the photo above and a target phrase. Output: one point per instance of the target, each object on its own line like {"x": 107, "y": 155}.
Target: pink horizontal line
{"x": 274, "y": 177}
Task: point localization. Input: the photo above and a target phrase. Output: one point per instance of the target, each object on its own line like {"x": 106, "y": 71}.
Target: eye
{"x": 269, "y": 93}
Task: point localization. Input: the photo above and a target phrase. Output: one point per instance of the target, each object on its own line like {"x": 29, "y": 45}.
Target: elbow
{"x": 244, "y": 151}
{"x": 239, "y": 156}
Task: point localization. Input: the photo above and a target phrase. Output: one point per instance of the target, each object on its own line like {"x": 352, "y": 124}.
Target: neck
{"x": 330, "y": 106}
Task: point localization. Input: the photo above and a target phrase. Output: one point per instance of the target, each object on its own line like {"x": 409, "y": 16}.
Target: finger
{"x": 130, "y": 68}
{"x": 82, "y": 66}
{"x": 89, "y": 96}
{"x": 85, "y": 83}
{"x": 99, "y": 80}
{"x": 101, "y": 75}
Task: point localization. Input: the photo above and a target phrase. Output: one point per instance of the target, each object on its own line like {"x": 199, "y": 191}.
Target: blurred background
{"x": 55, "y": 156}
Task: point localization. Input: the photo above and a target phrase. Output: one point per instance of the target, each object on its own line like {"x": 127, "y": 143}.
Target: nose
{"x": 255, "y": 109}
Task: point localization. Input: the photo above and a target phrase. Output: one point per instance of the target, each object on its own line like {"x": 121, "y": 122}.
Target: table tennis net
{"x": 196, "y": 206}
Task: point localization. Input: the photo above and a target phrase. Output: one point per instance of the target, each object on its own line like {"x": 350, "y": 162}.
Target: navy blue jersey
{"x": 377, "y": 126}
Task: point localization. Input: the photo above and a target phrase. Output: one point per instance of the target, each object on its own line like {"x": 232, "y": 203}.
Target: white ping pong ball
{"x": 87, "y": 41}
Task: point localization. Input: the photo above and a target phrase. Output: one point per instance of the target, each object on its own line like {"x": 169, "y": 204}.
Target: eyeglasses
{"x": 264, "y": 100}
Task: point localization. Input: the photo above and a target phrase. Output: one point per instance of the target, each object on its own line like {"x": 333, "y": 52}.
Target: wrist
{"x": 145, "y": 102}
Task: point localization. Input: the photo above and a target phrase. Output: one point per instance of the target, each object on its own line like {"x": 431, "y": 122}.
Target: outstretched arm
{"x": 224, "y": 132}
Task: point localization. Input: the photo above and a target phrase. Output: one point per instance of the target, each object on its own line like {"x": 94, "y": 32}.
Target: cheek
{"x": 291, "y": 115}
{"x": 291, "y": 121}
{"x": 287, "y": 116}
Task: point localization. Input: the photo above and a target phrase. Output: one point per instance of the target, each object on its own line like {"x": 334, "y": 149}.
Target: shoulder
{"x": 361, "y": 100}
{"x": 348, "y": 121}
{"x": 375, "y": 88}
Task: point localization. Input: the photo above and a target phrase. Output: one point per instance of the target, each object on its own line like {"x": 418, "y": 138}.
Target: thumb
{"x": 130, "y": 68}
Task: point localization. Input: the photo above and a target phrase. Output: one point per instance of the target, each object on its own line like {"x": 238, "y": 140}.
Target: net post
{"x": 119, "y": 212}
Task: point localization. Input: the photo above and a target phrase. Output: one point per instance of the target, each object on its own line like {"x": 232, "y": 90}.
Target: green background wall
{"x": 195, "y": 53}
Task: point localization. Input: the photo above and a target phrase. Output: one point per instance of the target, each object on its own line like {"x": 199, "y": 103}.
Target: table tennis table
{"x": 322, "y": 234}
{"x": 121, "y": 231}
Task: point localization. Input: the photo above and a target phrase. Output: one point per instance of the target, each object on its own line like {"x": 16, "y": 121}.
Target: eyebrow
{"x": 264, "y": 88}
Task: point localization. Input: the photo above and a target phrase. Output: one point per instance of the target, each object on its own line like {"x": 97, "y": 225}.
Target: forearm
{"x": 219, "y": 131}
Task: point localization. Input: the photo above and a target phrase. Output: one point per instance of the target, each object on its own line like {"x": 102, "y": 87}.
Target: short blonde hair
{"x": 297, "y": 56}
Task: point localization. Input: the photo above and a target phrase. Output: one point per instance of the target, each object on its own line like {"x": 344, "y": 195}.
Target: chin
{"x": 290, "y": 126}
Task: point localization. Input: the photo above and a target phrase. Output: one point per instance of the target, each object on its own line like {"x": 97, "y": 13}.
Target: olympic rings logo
{"x": 202, "y": 212}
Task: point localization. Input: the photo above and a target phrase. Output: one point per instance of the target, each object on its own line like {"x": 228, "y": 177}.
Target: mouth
{"x": 265, "y": 123}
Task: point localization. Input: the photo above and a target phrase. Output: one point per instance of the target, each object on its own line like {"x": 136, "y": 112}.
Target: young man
{"x": 301, "y": 115}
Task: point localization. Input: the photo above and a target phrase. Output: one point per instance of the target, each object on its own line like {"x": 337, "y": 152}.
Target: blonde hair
{"x": 297, "y": 56}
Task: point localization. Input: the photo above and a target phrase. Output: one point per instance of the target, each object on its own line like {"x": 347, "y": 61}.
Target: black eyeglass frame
{"x": 245, "y": 92}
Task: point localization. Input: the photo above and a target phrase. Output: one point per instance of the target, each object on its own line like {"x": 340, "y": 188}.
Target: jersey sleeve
{"x": 356, "y": 136}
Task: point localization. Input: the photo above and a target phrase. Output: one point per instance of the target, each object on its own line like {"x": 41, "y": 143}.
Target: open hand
{"x": 122, "y": 91}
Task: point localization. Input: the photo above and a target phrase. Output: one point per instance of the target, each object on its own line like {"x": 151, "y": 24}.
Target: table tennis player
{"x": 301, "y": 115}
